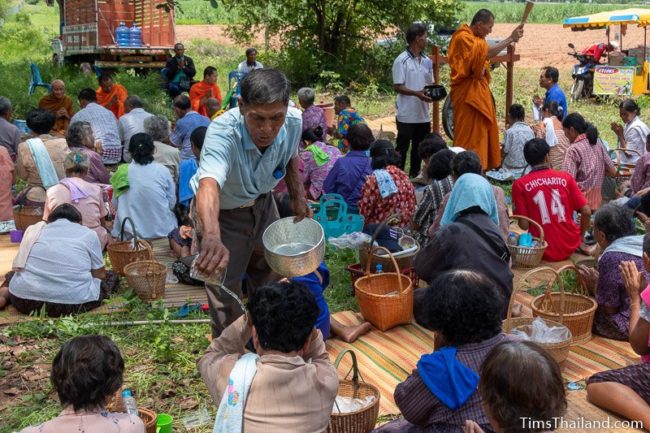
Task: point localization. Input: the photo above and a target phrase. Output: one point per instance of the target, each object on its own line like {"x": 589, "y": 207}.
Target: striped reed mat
{"x": 387, "y": 358}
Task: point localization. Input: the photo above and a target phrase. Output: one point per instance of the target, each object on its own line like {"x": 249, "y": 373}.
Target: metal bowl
{"x": 436, "y": 92}
{"x": 294, "y": 249}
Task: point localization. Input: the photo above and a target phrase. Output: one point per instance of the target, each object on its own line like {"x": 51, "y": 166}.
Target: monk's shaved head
{"x": 212, "y": 105}
{"x": 482, "y": 16}
{"x": 58, "y": 82}
{"x": 58, "y": 89}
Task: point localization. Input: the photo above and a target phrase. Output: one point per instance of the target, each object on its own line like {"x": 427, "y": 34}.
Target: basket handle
{"x": 135, "y": 233}
{"x": 356, "y": 374}
{"x": 392, "y": 258}
{"x": 549, "y": 285}
{"x": 535, "y": 223}
{"x": 581, "y": 287}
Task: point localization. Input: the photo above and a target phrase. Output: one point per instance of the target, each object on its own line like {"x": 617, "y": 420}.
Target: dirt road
{"x": 543, "y": 44}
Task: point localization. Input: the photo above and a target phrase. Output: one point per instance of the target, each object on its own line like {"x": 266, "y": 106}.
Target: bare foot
{"x": 3, "y": 302}
{"x": 349, "y": 334}
{"x": 517, "y": 310}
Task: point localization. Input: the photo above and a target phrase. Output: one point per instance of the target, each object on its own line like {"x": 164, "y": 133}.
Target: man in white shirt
{"x": 132, "y": 122}
{"x": 104, "y": 125}
{"x": 251, "y": 63}
{"x": 412, "y": 70}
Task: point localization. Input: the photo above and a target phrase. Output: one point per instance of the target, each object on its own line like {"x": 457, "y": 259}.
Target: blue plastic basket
{"x": 333, "y": 216}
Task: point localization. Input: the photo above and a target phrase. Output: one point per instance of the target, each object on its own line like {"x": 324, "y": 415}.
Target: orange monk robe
{"x": 53, "y": 104}
{"x": 199, "y": 91}
{"x": 105, "y": 99}
{"x": 475, "y": 121}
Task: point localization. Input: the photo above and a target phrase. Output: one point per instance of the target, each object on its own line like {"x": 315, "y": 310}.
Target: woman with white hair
{"x": 157, "y": 127}
{"x": 312, "y": 116}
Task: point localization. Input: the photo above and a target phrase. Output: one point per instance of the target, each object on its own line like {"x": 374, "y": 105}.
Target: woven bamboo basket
{"x": 363, "y": 420}
{"x": 147, "y": 279}
{"x": 124, "y": 252}
{"x": 528, "y": 257}
{"x": 623, "y": 170}
{"x": 386, "y": 299}
{"x": 25, "y": 216}
{"x": 559, "y": 351}
{"x": 148, "y": 417}
{"x": 577, "y": 309}
{"x": 365, "y": 253}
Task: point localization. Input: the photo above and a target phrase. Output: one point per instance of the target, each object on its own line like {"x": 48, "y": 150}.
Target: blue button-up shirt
{"x": 348, "y": 176}
{"x": 231, "y": 158}
{"x": 184, "y": 128}
{"x": 555, "y": 94}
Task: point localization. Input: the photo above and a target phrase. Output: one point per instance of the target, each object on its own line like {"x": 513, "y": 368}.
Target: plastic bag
{"x": 540, "y": 332}
{"x": 349, "y": 405}
{"x": 352, "y": 240}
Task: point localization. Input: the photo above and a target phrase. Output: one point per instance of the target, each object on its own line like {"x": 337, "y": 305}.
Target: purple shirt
{"x": 348, "y": 176}
{"x": 184, "y": 128}
{"x": 313, "y": 117}
{"x": 641, "y": 177}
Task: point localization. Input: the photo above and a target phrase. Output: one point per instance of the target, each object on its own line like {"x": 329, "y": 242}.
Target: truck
{"x": 88, "y": 33}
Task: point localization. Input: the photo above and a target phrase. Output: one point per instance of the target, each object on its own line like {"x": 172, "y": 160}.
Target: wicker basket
{"x": 356, "y": 271}
{"x": 378, "y": 304}
{"x": 623, "y": 171}
{"x": 147, "y": 279}
{"x": 122, "y": 253}
{"x": 576, "y": 309}
{"x": 148, "y": 417}
{"x": 528, "y": 257}
{"x": 386, "y": 262}
{"x": 25, "y": 216}
{"x": 559, "y": 351}
{"x": 363, "y": 420}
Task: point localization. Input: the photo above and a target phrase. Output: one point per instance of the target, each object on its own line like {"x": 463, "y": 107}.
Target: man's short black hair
{"x": 40, "y": 121}
{"x": 461, "y": 294}
{"x": 343, "y": 99}
{"x": 439, "y": 166}
{"x": 250, "y": 51}
{"x": 360, "y": 137}
{"x": 415, "y": 30}
{"x": 182, "y": 102}
{"x": 551, "y": 73}
{"x": 284, "y": 315}
{"x": 466, "y": 162}
{"x": 482, "y": 16}
{"x": 535, "y": 151}
{"x": 516, "y": 112}
{"x": 430, "y": 144}
{"x": 87, "y": 94}
{"x": 197, "y": 137}
{"x": 86, "y": 371}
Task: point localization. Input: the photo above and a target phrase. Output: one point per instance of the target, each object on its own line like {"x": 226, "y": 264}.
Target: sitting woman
{"x": 640, "y": 181}
{"x": 349, "y": 173}
{"x": 60, "y": 267}
{"x": 80, "y": 137}
{"x": 625, "y": 391}
{"x": 520, "y": 382}
{"x": 46, "y": 169}
{"x": 614, "y": 232}
{"x": 553, "y": 133}
{"x": 587, "y": 159}
{"x": 441, "y": 394}
{"x": 633, "y": 134}
{"x": 469, "y": 238}
{"x": 144, "y": 191}
{"x": 318, "y": 159}
{"x": 157, "y": 127}
{"x": 86, "y": 373}
{"x": 388, "y": 190}
{"x": 442, "y": 182}
{"x": 86, "y": 197}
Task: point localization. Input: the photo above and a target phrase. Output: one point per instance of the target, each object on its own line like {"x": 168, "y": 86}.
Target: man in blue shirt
{"x": 548, "y": 79}
{"x": 246, "y": 152}
{"x": 187, "y": 120}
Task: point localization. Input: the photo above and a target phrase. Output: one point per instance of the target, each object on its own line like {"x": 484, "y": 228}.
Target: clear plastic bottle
{"x": 129, "y": 402}
{"x": 379, "y": 269}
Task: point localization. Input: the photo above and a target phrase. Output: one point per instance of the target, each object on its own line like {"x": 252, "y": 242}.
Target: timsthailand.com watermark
{"x": 579, "y": 423}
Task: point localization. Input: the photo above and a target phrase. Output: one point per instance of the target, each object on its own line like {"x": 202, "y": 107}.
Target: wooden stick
{"x": 529, "y": 7}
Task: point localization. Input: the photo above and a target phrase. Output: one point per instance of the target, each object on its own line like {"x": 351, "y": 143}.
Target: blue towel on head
{"x": 470, "y": 190}
{"x": 385, "y": 183}
{"x": 43, "y": 162}
{"x": 447, "y": 378}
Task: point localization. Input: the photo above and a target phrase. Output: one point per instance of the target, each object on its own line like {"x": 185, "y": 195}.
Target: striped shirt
{"x": 104, "y": 125}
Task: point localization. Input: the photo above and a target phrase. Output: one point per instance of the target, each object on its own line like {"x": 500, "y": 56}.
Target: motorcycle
{"x": 582, "y": 74}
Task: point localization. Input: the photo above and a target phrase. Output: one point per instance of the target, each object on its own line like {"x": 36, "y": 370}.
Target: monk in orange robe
{"x": 475, "y": 122}
{"x": 204, "y": 90}
{"x": 111, "y": 95}
{"x": 60, "y": 104}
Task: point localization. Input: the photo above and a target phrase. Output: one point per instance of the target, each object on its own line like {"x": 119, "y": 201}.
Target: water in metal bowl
{"x": 294, "y": 249}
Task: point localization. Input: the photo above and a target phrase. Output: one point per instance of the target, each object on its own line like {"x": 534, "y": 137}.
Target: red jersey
{"x": 549, "y": 197}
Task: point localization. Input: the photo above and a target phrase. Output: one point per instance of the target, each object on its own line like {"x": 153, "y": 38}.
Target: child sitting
{"x": 522, "y": 389}
{"x": 189, "y": 166}
{"x": 289, "y": 384}
{"x": 516, "y": 136}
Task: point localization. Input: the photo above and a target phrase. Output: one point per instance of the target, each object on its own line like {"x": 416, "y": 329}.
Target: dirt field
{"x": 543, "y": 44}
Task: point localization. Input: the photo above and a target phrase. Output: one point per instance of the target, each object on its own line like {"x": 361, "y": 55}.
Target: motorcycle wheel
{"x": 448, "y": 118}
{"x": 577, "y": 89}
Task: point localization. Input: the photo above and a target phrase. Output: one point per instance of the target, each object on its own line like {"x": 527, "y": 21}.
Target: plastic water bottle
{"x": 129, "y": 402}
{"x": 122, "y": 35}
{"x": 379, "y": 269}
{"x": 135, "y": 36}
